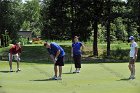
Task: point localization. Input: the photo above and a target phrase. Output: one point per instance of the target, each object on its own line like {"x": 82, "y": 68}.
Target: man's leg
{"x": 10, "y": 62}
{"x": 18, "y": 60}
{"x": 18, "y": 69}
{"x": 133, "y": 70}
{"x": 60, "y": 71}
{"x": 130, "y": 68}
{"x": 55, "y": 73}
{"x": 55, "y": 70}
{"x": 60, "y": 63}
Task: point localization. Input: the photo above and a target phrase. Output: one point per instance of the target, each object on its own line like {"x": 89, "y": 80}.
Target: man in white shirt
{"x": 133, "y": 57}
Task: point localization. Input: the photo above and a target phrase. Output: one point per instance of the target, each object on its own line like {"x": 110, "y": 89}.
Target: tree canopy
{"x": 97, "y": 20}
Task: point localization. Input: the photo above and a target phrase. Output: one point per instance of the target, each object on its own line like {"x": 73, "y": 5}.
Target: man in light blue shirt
{"x": 133, "y": 57}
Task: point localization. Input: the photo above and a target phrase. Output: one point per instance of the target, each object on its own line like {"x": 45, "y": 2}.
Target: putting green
{"x": 94, "y": 78}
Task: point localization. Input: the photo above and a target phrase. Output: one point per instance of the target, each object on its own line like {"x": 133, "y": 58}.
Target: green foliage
{"x": 23, "y": 40}
{"x": 11, "y": 17}
{"x": 38, "y": 42}
{"x": 113, "y": 37}
{"x": 120, "y": 32}
{"x": 32, "y": 17}
{"x": 118, "y": 54}
{"x": 62, "y": 19}
{"x": 101, "y": 33}
{"x": 4, "y": 52}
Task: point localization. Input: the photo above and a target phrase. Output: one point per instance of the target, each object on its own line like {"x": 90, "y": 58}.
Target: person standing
{"x": 15, "y": 52}
{"x": 133, "y": 57}
{"x": 57, "y": 55}
{"x": 76, "y": 53}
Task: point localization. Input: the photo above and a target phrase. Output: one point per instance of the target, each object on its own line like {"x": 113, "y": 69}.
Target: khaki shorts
{"x": 15, "y": 57}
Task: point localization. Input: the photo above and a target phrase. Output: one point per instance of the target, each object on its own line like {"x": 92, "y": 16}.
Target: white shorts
{"x": 15, "y": 57}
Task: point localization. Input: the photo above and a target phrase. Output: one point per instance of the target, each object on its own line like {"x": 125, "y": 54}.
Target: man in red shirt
{"x": 15, "y": 52}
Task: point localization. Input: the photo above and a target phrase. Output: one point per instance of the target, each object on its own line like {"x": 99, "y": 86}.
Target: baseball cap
{"x": 131, "y": 38}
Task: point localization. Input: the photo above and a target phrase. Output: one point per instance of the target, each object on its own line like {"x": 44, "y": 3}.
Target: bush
{"x": 36, "y": 39}
{"x": 118, "y": 54}
{"x": 23, "y": 40}
{"x": 38, "y": 42}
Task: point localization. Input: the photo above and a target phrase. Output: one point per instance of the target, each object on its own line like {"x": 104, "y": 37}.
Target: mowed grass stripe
{"x": 94, "y": 78}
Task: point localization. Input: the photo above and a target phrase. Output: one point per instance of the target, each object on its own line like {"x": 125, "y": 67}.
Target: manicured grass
{"x": 94, "y": 78}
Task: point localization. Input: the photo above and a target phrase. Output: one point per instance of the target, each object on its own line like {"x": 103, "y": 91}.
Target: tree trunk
{"x": 108, "y": 38}
{"x": 72, "y": 24}
{"x": 95, "y": 42}
{"x": 108, "y": 30}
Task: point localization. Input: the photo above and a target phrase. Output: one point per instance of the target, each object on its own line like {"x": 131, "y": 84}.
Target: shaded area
{"x": 118, "y": 54}
{"x": 69, "y": 73}
{"x": 124, "y": 79}
{"x": 44, "y": 80}
{"x": 39, "y": 54}
{"x": 5, "y": 72}
{"x": 34, "y": 53}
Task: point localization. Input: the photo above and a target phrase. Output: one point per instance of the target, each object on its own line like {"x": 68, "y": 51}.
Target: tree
{"x": 56, "y": 21}
{"x": 11, "y": 17}
{"x": 108, "y": 27}
{"x": 64, "y": 18}
{"x": 97, "y": 10}
{"x": 135, "y": 4}
{"x": 32, "y": 16}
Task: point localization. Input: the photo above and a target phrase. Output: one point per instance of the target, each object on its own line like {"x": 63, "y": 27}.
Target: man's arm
{"x": 72, "y": 52}
{"x": 57, "y": 54}
{"x": 52, "y": 57}
{"x": 136, "y": 52}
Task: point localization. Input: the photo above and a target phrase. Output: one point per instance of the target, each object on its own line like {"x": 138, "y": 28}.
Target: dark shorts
{"x": 77, "y": 61}
{"x": 60, "y": 61}
{"x": 132, "y": 61}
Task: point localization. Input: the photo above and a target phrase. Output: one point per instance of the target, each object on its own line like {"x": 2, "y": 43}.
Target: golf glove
{"x": 71, "y": 55}
{"x": 55, "y": 59}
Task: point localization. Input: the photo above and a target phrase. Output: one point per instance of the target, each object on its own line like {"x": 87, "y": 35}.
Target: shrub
{"x": 38, "y": 42}
{"x": 118, "y": 54}
{"x": 23, "y": 40}
{"x": 36, "y": 39}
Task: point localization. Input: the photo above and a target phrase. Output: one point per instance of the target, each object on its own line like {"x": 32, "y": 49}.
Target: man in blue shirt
{"x": 76, "y": 53}
{"x": 57, "y": 55}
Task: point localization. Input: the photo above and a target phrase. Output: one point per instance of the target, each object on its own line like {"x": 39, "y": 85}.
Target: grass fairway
{"x": 94, "y": 78}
